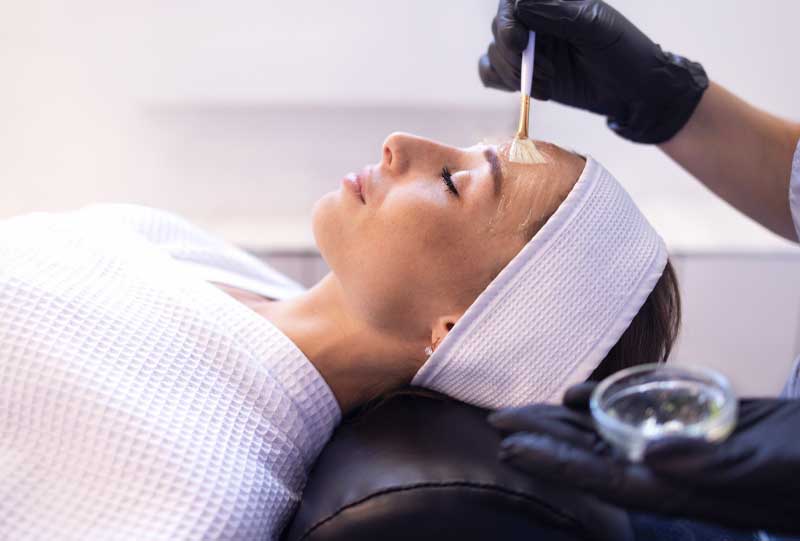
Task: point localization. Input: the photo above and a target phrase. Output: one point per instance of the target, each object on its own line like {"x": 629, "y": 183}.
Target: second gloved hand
{"x": 750, "y": 480}
{"x": 590, "y": 56}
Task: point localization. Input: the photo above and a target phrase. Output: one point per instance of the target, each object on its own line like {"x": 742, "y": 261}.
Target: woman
{"x": 159, "y": 383}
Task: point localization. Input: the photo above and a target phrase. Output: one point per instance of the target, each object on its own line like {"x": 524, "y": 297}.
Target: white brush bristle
{"x": 525, "y": 151}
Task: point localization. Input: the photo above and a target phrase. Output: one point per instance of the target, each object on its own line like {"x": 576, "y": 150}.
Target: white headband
{"x": 553, "y": 313}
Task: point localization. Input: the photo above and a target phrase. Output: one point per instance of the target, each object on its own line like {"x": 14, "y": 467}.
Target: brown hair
{"x": 652, "y": 332}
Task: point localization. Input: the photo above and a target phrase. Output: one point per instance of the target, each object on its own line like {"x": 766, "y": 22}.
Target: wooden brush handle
{"x": 524, "y": 110}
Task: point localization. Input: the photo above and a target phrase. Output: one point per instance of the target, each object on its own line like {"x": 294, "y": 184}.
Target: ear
{"x": 441, "y": 327}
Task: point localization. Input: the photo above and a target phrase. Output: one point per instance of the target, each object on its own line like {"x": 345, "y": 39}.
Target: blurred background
{"x": 209, "y": 109}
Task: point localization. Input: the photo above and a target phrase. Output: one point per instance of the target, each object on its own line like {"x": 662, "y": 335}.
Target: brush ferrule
{"x": 524, "y": 110}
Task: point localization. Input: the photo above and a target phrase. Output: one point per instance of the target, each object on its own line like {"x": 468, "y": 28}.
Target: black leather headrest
{"x": 426, "y": 468}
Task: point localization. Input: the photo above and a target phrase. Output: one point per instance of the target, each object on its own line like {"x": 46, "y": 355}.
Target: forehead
{"x": 532, "y": 192}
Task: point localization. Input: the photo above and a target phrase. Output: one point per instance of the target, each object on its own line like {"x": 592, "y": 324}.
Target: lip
{"x": 356, "y": 183}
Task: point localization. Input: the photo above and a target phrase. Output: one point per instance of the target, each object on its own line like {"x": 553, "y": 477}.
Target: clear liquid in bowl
{"x": 662, "y": 408}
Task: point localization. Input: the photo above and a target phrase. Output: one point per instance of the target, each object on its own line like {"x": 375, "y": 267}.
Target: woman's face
{"x": 414, "y": 238}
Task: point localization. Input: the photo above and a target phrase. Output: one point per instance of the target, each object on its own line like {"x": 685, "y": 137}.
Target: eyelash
{"x": 447, "y": 178}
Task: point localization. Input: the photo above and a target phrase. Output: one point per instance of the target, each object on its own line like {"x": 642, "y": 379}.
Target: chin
{"x": 326, "y": 226}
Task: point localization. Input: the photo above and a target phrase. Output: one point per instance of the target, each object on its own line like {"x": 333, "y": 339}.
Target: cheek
{"x": 392, "y": 259}
{"x": 389, "y": 268}
{"x": 371, "y": 253}
{"x": 399, "y": 263}
{"x": 408, "y": 238}
{"x": 412, "y": 257}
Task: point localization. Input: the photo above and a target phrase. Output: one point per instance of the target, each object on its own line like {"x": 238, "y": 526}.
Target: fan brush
{"x": 523, "y": 149}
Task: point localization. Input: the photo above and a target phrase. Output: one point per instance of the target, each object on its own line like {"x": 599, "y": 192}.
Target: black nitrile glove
{"x": 590, "y": 56}
{"x": 750, "y": 480}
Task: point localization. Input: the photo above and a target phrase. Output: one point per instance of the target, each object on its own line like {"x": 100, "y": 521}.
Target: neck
{"x": 357, "y": 362}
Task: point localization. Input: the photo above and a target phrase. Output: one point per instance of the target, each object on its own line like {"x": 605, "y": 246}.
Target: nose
{"x": 397, "y": 152}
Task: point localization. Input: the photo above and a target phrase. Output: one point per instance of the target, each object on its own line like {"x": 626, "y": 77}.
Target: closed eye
{"x": 447, "y": 178}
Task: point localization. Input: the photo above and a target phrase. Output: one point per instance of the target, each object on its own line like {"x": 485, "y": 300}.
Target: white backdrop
{"x": 81, "y": 81}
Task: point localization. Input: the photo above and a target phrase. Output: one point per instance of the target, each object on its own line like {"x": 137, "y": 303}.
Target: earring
{"x": 428, "y": 351}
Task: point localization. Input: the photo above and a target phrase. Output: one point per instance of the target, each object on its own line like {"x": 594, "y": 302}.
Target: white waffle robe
{"x": 137, "y": 400}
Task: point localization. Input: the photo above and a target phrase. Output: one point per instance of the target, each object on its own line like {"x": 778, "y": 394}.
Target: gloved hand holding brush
{"x": 590, "y": 56}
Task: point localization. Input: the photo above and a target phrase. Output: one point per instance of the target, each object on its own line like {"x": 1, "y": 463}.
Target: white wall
{"x": 740, "y": 315}
{"x": 209, "y": 109}
{"x": 81, "y": 81}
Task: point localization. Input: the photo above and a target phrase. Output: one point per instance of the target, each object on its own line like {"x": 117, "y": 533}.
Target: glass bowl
{"x": 648, "y": 402}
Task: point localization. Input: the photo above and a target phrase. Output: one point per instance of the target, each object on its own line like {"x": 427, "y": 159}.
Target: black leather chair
{"x": 426, "y": 468}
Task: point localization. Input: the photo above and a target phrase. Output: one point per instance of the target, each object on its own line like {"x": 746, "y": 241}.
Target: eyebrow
{"x": 494, "y": 162}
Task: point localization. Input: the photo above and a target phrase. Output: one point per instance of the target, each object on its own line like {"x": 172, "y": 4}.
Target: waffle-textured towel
{"x": 137, "y": 401}
{"x": 553, "y": 313}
